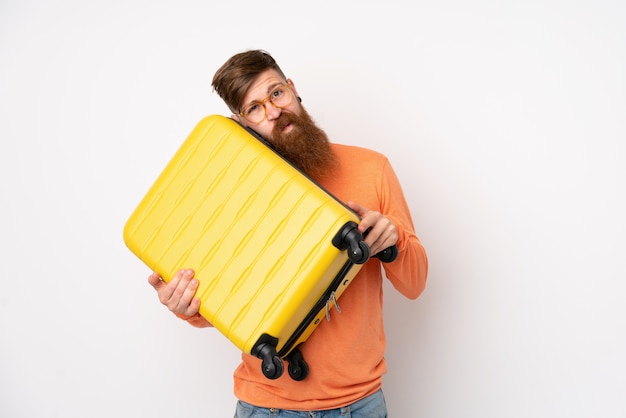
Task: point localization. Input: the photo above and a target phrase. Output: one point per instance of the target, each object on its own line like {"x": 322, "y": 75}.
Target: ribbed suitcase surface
{"x": 257, "y": 232}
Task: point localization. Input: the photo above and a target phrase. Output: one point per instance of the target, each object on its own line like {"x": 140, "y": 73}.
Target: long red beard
{"x": 306, "y": 146}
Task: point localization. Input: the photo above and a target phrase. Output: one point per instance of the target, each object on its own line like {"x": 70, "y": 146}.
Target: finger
{"x": 166, "y": 290}
{"x": 381, "y": 244}
{"x": 382, "y": 235}
{"x": 183, "y": 298}
{"x": 155, "y": 280}
{"x": 167, "y": 293}
{"x": 373, "y": 238}
{"x": 360, "y": 210}
{"x": 194, "y": 306}
{"x": 365, "y": 214}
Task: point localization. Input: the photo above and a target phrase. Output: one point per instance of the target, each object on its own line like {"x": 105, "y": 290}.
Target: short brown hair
{"x": 232, "y": 80}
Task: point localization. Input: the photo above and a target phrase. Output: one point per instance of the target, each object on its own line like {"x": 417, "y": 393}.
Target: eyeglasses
{"x": 280, "y": 97}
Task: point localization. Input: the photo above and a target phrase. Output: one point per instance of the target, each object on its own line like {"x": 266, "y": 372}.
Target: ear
{"x": 293, "y": 86}
{"x": 237, "y": 118}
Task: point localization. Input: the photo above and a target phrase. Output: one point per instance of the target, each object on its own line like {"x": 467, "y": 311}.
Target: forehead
{"x": 263, "y": 85}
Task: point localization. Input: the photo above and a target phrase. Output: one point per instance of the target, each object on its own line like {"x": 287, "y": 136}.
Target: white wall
{"x": 504, "y": 120}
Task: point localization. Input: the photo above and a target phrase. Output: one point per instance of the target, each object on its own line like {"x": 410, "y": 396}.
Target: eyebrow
{"x": 273, "y": 86}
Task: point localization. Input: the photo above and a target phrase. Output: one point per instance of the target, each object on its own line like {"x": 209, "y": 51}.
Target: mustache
{"x": 284, "y": 119}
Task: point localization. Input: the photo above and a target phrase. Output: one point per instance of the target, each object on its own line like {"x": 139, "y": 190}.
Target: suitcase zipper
{"x": 323, "y": 302}
{"x": 332, "y": 299}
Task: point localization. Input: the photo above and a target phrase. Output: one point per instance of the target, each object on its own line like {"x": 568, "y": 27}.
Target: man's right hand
{"x": 179, "y": 295}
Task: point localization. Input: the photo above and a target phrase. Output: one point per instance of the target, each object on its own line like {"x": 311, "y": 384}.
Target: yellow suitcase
{"x": 271, "y": 249}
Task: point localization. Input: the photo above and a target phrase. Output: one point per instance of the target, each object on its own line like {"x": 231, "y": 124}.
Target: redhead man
{"x": 345, "y": 355}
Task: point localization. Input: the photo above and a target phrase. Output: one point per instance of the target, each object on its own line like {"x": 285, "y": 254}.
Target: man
{"x": 345, "y": 355}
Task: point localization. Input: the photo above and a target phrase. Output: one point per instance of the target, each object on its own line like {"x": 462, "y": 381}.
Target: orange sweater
{"x": 346, "y": 354}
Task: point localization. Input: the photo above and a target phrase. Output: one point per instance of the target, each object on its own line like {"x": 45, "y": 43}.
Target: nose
{"x": 271, "y": 111}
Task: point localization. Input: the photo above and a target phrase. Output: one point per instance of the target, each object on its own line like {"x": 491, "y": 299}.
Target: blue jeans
{"x": 372, "y": 406}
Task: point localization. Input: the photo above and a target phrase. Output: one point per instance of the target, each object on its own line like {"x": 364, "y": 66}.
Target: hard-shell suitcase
{"x": 271, "y": 249}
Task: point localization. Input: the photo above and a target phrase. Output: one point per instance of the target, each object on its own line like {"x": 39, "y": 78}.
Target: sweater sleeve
{"x": 409, "y": 271}
{"x": 196, "y": 320}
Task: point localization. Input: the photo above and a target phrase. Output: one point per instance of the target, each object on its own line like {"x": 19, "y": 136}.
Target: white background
{"x": 505, "y": 122}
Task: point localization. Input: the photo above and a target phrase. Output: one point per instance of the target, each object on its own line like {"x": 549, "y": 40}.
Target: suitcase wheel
{"x": 388, "y": 254}
{"x": 349, "y": 238}
{"x": 298, "y": 368}
{"x": 271, "y": 363}
{"x": 360, "y": 253}
{"x": 272, "y": 367}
